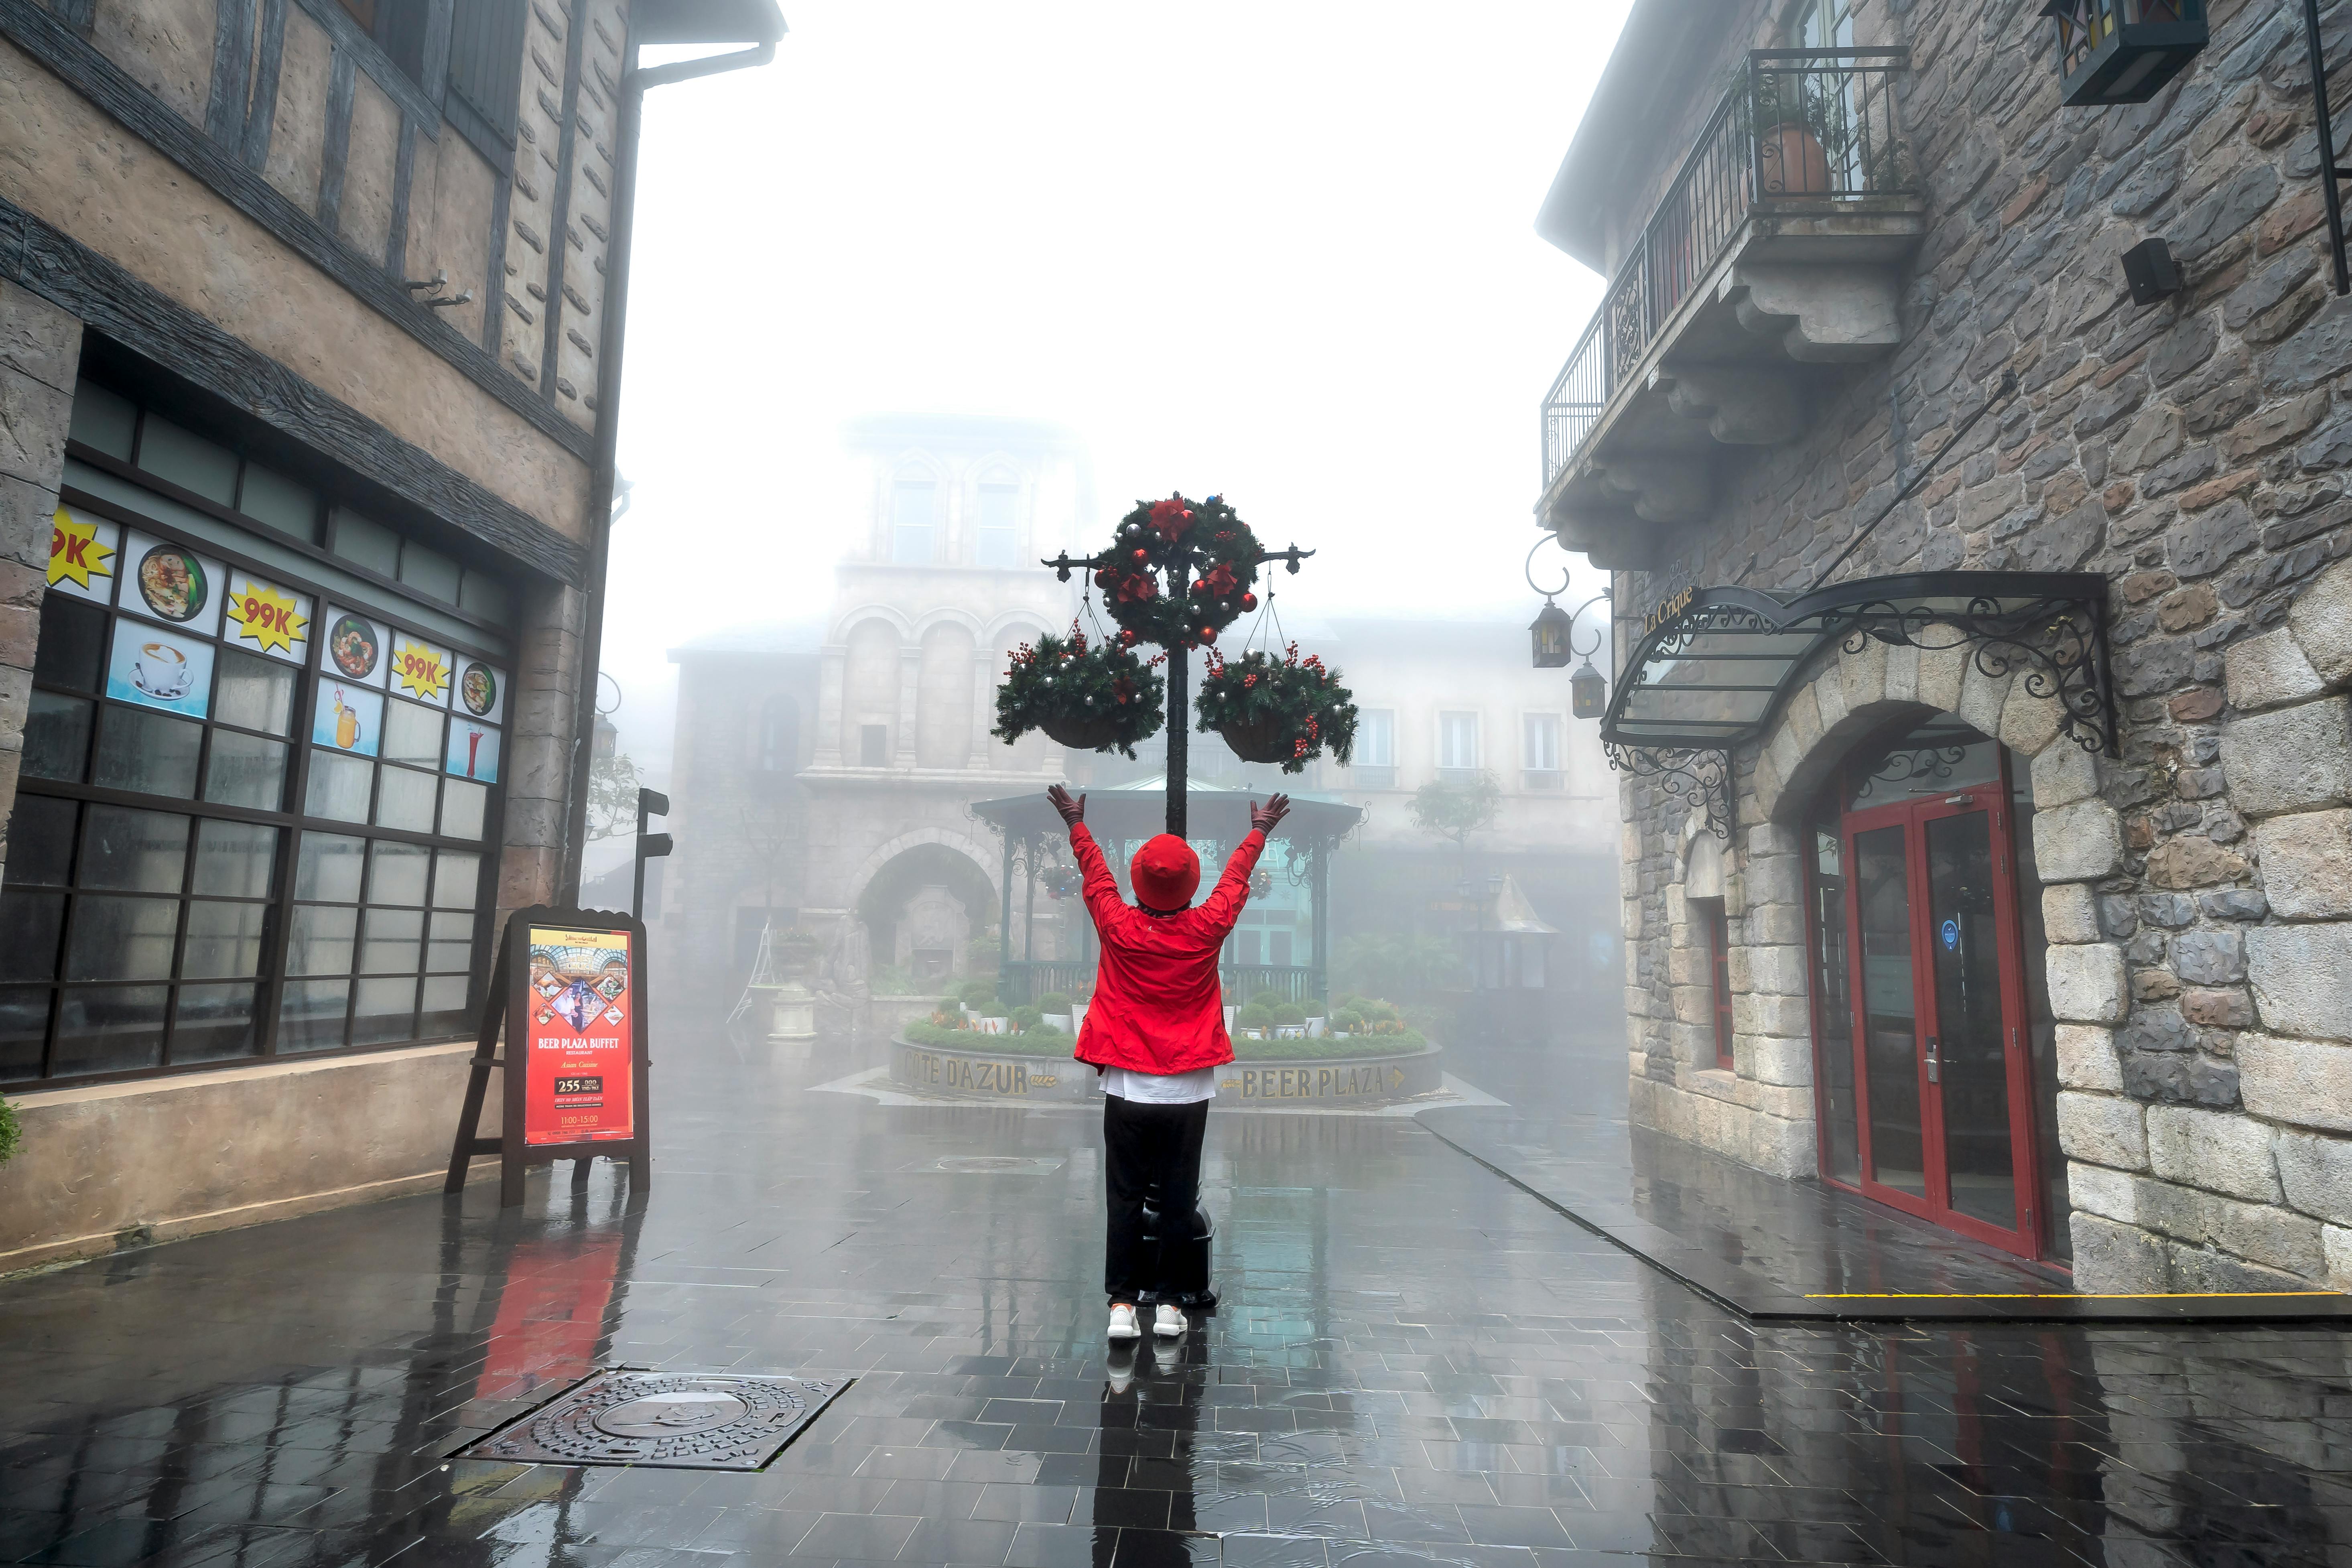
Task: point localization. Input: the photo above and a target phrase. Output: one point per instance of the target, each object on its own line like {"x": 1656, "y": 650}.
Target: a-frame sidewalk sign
{"x": 568, "y": 993}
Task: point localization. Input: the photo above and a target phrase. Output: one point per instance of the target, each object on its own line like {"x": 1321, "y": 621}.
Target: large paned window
{"x": 256, "y": 811}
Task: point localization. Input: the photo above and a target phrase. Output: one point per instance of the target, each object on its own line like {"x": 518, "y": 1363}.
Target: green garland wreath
{"x": 1286, "y": 710}
{"x": 1087, "y": 697}
{"x": 1148, "y": 583}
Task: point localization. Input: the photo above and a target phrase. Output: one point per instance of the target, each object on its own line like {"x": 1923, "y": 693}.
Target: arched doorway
{"x": 1936, "y": 1079}
{"x": 923, "y": 911}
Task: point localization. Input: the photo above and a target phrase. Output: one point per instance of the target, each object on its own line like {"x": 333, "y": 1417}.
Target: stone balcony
{"x": 1774, "y": 260}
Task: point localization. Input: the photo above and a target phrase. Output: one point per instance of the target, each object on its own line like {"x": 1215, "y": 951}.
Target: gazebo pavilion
{"x": 1296, "y": 870}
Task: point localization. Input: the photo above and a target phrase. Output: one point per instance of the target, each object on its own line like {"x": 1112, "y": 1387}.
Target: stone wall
{"x": 2199, "y": 898}
{"x": 154, "y": 1159}
{"x": 40, "y": 346}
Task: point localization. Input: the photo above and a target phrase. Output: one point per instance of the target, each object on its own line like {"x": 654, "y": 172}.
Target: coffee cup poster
{"x": 577, "y": 1073}
{"x": 158, "y": 668}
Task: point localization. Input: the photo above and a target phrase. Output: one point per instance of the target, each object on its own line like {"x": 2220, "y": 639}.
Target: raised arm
{"x": 1224, "y": 906}
{"x": 1097, "y": 884}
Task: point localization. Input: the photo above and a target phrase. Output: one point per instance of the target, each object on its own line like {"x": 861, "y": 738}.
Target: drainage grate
{"x": 682, "y": 1420}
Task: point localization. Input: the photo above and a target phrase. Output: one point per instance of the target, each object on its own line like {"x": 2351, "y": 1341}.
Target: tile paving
{"x": 1417, "y": 1363}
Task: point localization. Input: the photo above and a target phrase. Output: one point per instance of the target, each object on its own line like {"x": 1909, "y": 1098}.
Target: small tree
{"x": 613, "y": 787}
{"x": 1455, "y": 811}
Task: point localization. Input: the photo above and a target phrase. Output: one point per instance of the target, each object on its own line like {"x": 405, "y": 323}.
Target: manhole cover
{"x": 692, "y": 1421}
{"x": 985, "y": 1166}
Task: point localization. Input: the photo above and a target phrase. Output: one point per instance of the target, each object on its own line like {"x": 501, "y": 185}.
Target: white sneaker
{"x": 1168, "y": 1322}
{"x": 1123, "y": 1325}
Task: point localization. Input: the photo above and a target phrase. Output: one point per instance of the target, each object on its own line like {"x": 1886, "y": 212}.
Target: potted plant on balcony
{"x": 1286, "y": 710}
{"x": 1793, "y": 120}
{"x": 1091, "y": 696}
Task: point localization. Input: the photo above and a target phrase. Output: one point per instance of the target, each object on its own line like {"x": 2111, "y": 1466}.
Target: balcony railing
{"x": 1797, "y": 125}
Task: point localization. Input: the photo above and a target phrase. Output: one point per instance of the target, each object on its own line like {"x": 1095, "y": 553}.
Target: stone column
{"x": 540, "y": 756}
{"x": 832, "y": 671}
{"x": 910, "y": 681}
{"x": 40, "y": 349}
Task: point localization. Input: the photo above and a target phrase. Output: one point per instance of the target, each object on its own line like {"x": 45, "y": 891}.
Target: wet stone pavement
{"x": 1417, "y": 1363}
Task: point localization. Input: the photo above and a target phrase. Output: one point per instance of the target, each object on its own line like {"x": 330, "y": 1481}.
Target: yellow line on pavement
{"x": 2063, "y": 1295}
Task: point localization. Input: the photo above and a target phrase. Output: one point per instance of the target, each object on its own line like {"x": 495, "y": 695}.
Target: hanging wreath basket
{"x": 1286, "y": 710}
{"x": 1092, "y": 697}
{"x": 1178, "y": 571}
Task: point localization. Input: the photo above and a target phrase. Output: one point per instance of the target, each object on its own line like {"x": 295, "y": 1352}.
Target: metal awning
{"x": 1714, "y": 666}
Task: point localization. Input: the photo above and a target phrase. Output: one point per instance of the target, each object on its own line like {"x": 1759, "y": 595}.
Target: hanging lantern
{"x": 1587, "y": 692}
{"x": 1550, "y": 632}
{"x": 2122, "y": 51}
{"x": 1060, "y": 880}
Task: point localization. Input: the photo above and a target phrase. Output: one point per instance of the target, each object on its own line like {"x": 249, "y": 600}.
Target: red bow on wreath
{"x": 1218, "y": 581}
{"x": 1171, "y": 518}
{"x": 1142, "y": 585}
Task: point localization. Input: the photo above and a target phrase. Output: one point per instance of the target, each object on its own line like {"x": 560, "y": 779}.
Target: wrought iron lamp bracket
{"x": 1701, "y": 776}
{"x": 2060, "y": 645}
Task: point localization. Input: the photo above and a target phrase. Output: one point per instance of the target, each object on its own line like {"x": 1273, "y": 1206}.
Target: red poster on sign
{"x": 578, "y": 1067}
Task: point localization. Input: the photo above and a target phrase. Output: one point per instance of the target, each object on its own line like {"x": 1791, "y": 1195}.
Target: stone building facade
{"x": 310, "y": 328}
{"x": 823, "y": 770}
{"x": 2174, "y": 913}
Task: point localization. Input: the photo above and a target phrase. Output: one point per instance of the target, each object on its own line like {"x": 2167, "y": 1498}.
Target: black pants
{"x": 1146, "y": 1146}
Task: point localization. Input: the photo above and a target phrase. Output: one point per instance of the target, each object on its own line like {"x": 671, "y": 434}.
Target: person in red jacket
{"x": 1156, "y": 1031}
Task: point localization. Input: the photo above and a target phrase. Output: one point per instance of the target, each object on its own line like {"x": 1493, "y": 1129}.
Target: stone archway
{"x": 1762, "y": 1110}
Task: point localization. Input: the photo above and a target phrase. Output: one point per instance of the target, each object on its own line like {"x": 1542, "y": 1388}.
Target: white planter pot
{"x": 1315, "y": 1027}
{"x": 995, "y": 1026}
{"x": 1058, "y": 1021}
{"x": 1229, "y": 1018}
{"x": 1078, "y": 1015}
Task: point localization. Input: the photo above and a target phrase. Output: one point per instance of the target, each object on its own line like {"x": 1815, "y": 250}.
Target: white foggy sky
{"x": 1281, "y": 251}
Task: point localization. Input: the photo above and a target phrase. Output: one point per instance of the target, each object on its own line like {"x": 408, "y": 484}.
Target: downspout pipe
{"x": 604, "y": 472}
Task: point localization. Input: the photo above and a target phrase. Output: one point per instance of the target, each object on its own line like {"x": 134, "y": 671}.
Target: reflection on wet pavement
{"x": 1417, "y": 1363}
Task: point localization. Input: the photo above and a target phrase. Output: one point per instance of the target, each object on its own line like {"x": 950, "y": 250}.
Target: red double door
{"x": 1942, "y": 1062}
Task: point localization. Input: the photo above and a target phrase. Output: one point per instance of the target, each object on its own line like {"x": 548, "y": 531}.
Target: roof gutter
{"x": 635, "y": 81}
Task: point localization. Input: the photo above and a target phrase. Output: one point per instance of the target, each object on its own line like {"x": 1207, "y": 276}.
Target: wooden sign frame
{"x": 506, "y": 1006}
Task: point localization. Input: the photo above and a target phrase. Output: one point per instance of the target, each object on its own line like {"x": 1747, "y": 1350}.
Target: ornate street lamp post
{"x": 1553, "y": 635}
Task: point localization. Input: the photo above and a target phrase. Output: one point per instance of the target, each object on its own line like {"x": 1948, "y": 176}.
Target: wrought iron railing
{"x": 1796, "y": 125}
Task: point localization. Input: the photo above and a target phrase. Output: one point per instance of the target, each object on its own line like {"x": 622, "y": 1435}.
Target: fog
{"x": 1284, "y": 253}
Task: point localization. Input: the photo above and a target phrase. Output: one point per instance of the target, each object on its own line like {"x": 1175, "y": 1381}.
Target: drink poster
{"x": 157, "y": 668}
{"x": 579, "y": 1035}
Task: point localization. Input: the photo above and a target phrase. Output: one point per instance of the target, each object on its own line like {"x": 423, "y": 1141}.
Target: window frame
{"x": 1718, "y": 982}
{"x": 1536, "y": 775}
{"x": 982, "y": 528}
{"x": 931, "y": 529}
{"x": 1477, "y": 741}
{"x": 292, "y": 822}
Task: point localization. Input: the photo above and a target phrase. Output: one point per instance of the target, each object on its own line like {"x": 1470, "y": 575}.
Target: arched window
{"x": 996, "y": 538}
{"x": 780, "y": 736}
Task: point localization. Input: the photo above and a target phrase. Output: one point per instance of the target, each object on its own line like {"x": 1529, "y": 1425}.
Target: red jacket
{"x": 1157, "y": 1007}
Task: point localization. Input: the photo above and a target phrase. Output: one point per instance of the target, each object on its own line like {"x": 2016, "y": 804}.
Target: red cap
{"x": 1166, "y": 873}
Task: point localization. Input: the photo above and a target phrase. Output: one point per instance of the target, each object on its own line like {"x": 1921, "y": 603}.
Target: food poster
{"x": 481, "y": 690}
{"x": 85, "y": 554}
{"x": 578, "y": 1061}
{"x": 265, "y": 618}
{"x": 160, "y": 669}
{"x": 172, "y": 583}
{"x": 358, "y": 648}
{"x": 473, "y": 751}
{"x": 348, "y": 719}
{"x": 421, "y": 670}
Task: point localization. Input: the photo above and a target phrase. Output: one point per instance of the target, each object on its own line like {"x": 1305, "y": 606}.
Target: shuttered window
{"x": 485, "y": 59}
